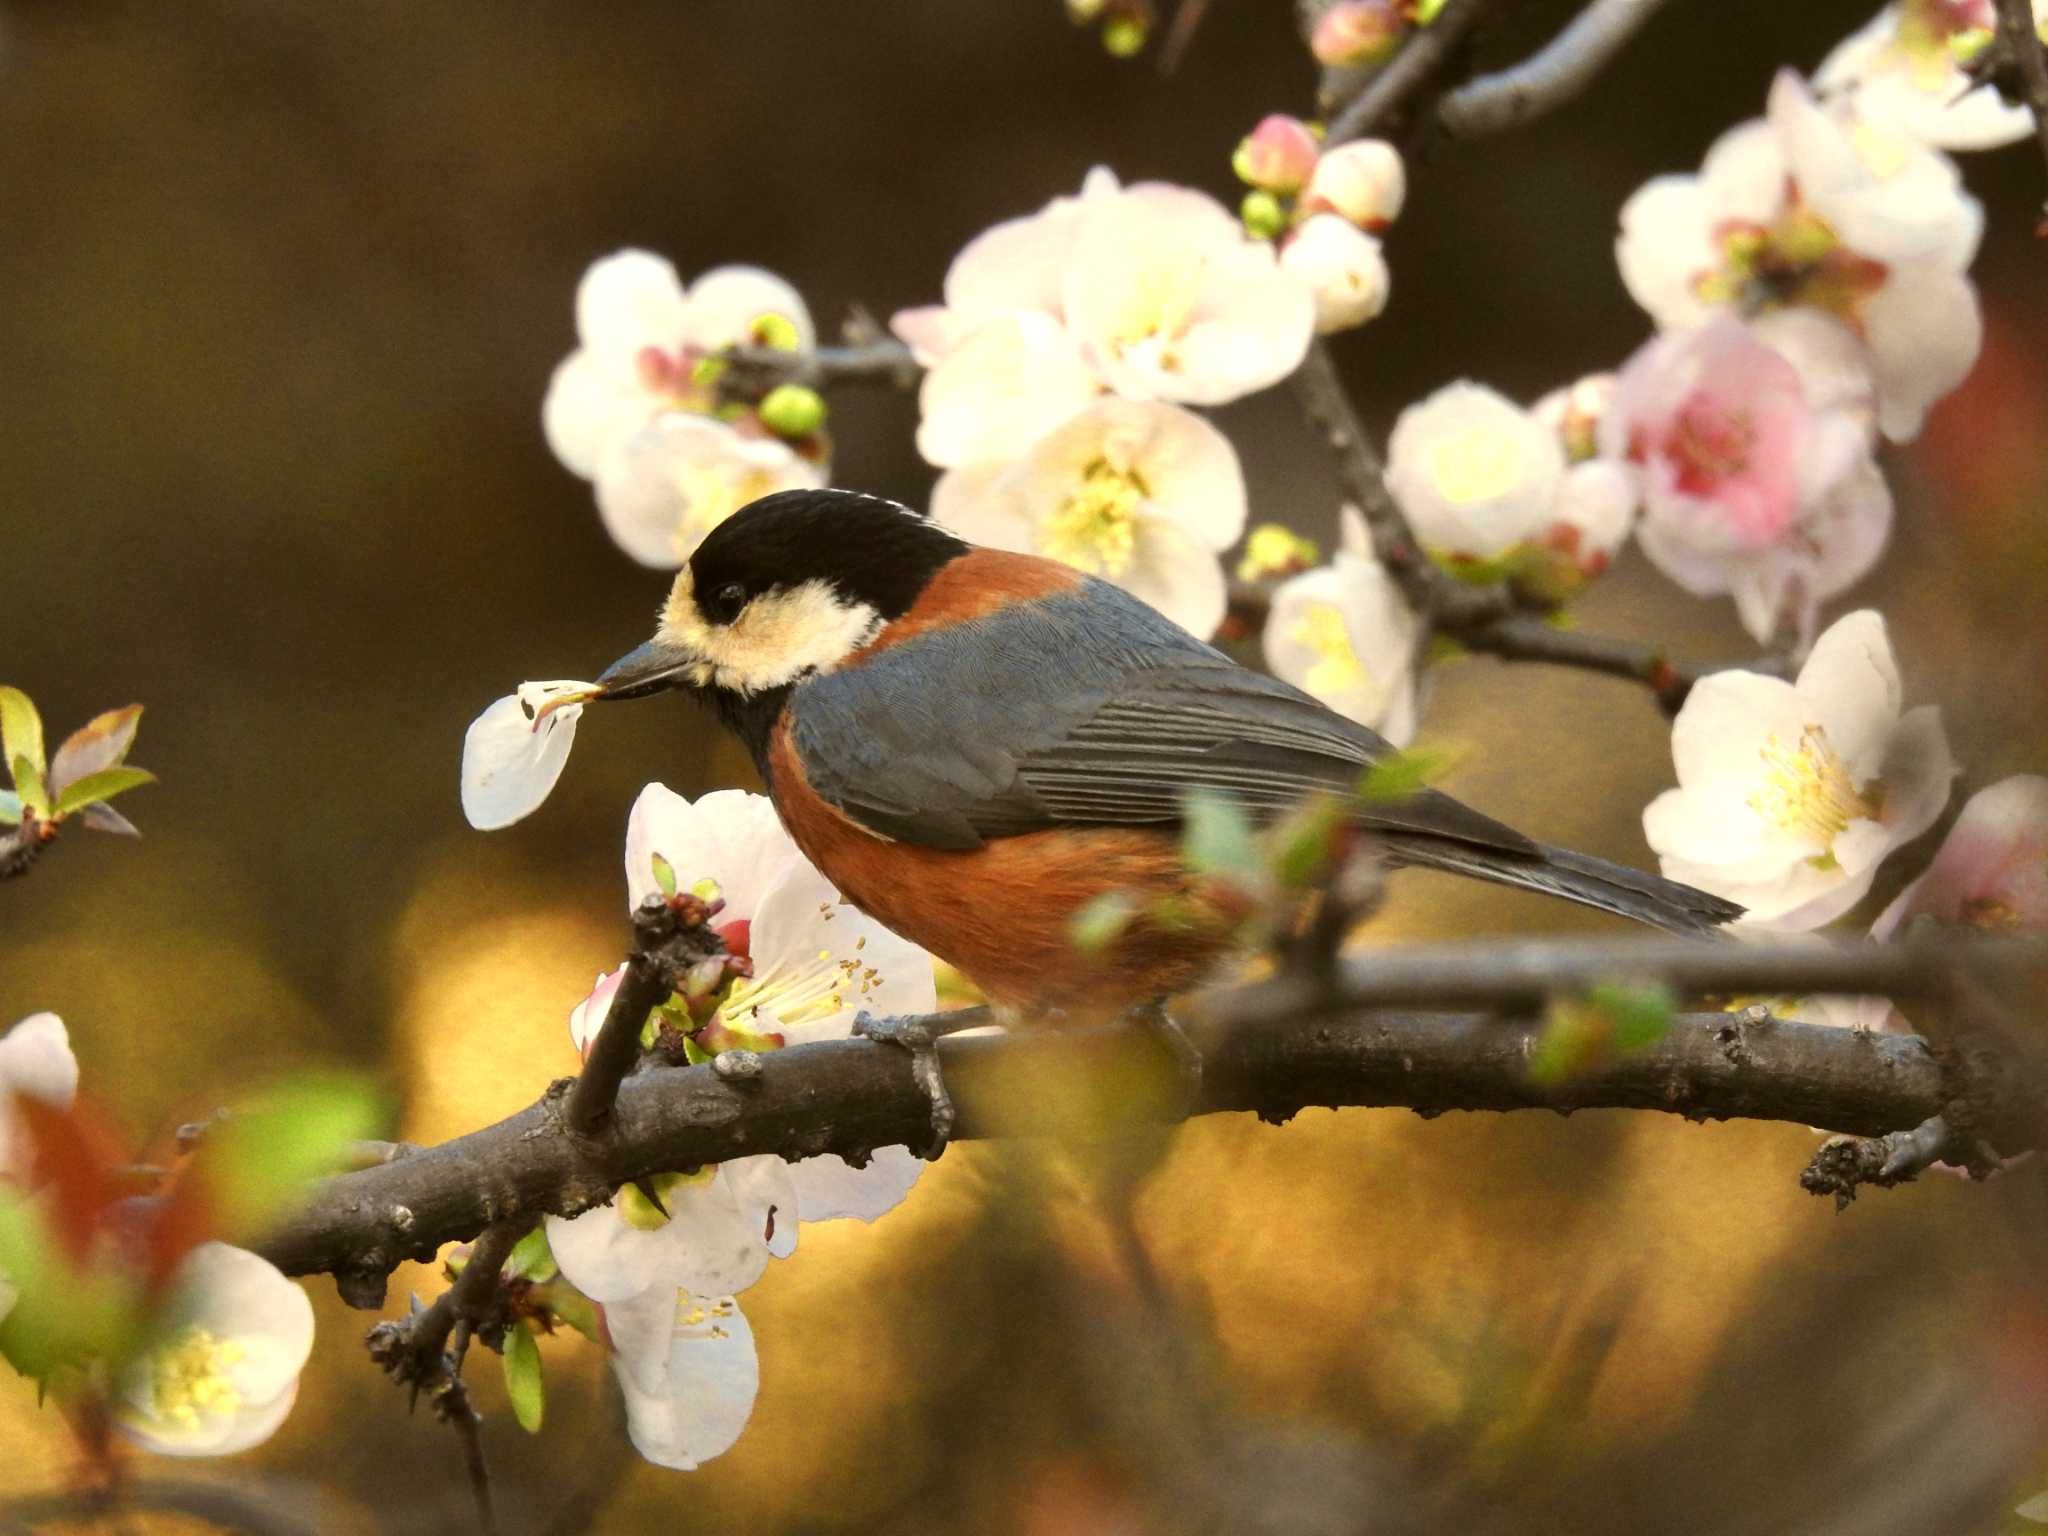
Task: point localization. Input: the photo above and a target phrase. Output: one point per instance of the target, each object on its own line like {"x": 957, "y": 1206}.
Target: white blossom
{"x": 223, "y": 1370}
{"x": 1474, "y": 473}
{"x": 516, "y": 749}
{"x": 662, "y": 488}
{"x": 1344, "y": 633}
{"x": 817, "y": 962}
{"x": 1343, "y": 267}
{"x": 1820, "y": 208}
{"x": 643, "y": 341}
{"x": 1142, "y": 493}
{"x": 1904, "y": 73}
{"x": 1791, "y": 794}
{"x": 1001, "y": 388}
{"x": 1362, "y": 182}
{"x": 1171, "y": 300}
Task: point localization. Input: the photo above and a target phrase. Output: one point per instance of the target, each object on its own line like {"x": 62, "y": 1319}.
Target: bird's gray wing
{"x": 1086, "y": 708}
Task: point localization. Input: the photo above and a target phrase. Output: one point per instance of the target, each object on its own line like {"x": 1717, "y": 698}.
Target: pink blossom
{"x": 1992, "y": 870}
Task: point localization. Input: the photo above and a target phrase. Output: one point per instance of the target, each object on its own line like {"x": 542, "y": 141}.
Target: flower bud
{"x": 1574, "y": 413}
{"x": 1262, "y": 214}
{"x": 1357, "y": 33}
{"x": 1278, "y": 155}
{"x": 1124, "y": 35}
{"x": 1274, "y": 549}
{"x": 1362, "y": 181}
{"x": 775, "y": 330}
{"x": 792, "y": 410}
{"x": 1343, "y": 267}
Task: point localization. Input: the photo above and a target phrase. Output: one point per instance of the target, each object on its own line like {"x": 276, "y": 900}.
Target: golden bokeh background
{"x": 284, "y": 284}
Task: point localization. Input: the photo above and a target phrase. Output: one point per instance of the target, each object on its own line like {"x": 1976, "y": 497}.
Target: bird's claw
{"x": 1155, "y": 1021}
{"x": 917, "y": 1038}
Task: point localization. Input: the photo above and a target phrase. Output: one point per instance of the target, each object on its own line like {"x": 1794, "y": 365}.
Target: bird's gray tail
{"x": 1575, "y": 876}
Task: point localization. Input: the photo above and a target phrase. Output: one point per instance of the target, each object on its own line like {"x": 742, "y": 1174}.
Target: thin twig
{"x": 22, "y": 845}
{"x": 616, "y": 1048}
{"x": 1549, "y": 78}
{"x": 753, "y": 371}
{"x": 2017, "y": 37}
{"x": 1427, "y": 54}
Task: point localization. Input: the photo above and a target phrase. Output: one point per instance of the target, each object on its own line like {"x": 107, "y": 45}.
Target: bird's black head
{"x": 788, "y": 586}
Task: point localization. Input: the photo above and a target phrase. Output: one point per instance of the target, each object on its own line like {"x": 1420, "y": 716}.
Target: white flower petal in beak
{"x": 514, "y": 751}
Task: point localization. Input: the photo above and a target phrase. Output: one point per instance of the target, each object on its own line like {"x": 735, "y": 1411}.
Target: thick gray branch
{"x": 1549, "y": 78}
{"x": 1422, "y": 61}
{"x": 1272, "y": 1049}
{"x": 2017, "y": 37}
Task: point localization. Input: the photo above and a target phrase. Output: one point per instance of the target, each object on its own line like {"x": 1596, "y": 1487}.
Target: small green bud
{"x": 792, "y": 410}
{"x": 1262, "y": 214}
{"x": 775, "y": 330}
{"x": 1123, "y": 36}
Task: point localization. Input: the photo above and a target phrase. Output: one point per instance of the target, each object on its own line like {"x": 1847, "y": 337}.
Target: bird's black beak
{"x": 657, "y": 665}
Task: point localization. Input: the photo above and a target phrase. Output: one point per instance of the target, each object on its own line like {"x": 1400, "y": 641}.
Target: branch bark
{"x": 1272, "y": 1049}
{"x": 22, "y": 845}
{"x": 1422, "y": 61}
{"x": 2018, "y": 38}
{"x": 1549, "y": 78}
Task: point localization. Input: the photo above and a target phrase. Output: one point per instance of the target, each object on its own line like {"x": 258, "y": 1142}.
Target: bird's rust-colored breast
{"x": 972, "y": 587}
{"x": 1002, "y": 913}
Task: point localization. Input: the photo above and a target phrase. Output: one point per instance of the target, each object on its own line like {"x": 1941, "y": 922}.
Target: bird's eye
{"x": 727, "y": 602}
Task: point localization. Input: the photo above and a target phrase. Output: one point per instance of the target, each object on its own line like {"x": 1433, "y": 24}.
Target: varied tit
{"x": 974, "y": 745}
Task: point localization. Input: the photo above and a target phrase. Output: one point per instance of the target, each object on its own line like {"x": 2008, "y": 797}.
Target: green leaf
{"x": 572, "y": 1307}
{"x": 1306, "y": 843}
{"x": 101, "y": 786}
{"x": 531, "y": 1258}
{"x": 259, "y": 1159}
{"x": 1640, "y": 1015}
{"x": 28, "y": 783}
{"x": 21, "y": 731}
{"x": 664, "y": 875}
{"x": 1401, "y": 775}
{"x": 1100, "y": 921}
{"x": 523, "y": 1383}
{"x": 1583, "y": 1034}
{"x": 10, "y": 808}
{"x": 102, "y": 742}
{"x": 1216, "y": 835}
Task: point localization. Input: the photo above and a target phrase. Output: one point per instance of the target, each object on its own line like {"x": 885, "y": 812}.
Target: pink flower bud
{"x": 1358, "y": 32}
{"x": 1278, "y": 155}
{"x": 1362, "y": 181}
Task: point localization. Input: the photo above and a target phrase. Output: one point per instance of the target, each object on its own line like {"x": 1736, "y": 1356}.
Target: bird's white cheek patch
{"x": 782, "y": 636}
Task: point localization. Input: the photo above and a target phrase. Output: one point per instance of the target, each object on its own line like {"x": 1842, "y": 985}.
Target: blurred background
{"x": 284, "y": 285}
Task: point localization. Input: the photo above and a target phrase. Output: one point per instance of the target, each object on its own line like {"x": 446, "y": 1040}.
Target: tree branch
{"x": 2018, "y": 38}
{"x": 1549, "y": 78}
{"x": 22, "y": 845}
{"x": 1273, "y": 1048}
{"x": 1423, "y": 59}
{"x": 876, "y": 359}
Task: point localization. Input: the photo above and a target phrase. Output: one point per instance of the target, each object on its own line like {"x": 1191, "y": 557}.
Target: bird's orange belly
{"x": 1003, "y": 914}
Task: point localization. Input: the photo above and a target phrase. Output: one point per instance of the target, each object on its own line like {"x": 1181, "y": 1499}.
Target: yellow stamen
{"x": 1337, "y": 668}
{"x": 1096, "y": 528}
{"x": 189, "y": 1377}
{"x": 1808, "y": 789}
{"x": 1157, "y": 317}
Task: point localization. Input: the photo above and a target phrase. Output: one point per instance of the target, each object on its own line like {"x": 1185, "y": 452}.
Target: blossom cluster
{"x": 190, "y": 1346}
{"x": 636, "y": 409}
{"x": 665, "y": 1270}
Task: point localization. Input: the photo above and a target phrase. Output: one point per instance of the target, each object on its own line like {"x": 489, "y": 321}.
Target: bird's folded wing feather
{"x": 1081, "y": 709}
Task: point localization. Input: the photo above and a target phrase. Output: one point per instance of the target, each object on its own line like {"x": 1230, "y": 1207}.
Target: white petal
{"x": 1179, "y": 577}
{"x": 766, "y": 1195}
{"x": 725, "y": 302}
{"x": 510, "y": 762}
{"x": 1925, "y": 332}
{"x": 829, "y": 1188}
{"x": 662, "y": 488}
{"x": 629, "y": 300}
{"x": 819, "y": 962}
{"x": 729, "y": 836}
{"x": 1850, "y": 685}
{"x": 36, "y": 1061}
{"x": 693, "y": 1402}
{"x": 980, "y": 502}
{"x": 1000, "y": 389}
{"x": 1474, "y": 472}
{"x": 592, "y": 402}
{"x": 1343, "y": 267}
{"x": 1664, "y": 242}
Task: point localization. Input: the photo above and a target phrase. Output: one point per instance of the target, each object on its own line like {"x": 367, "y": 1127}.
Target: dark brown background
{"x": 283, "y": 286}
